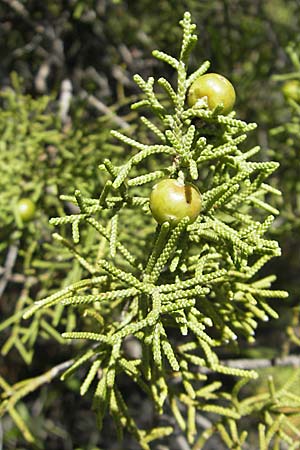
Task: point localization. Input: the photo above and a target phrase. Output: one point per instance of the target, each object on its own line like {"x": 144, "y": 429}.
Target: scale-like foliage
{"x": 285, "y": 144}
{"x": 191, "y": 290}
{"x": 40, "y": 158}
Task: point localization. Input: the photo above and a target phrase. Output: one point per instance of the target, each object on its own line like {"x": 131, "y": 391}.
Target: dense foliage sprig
{"x": 286, "y": 136}
{"x": 198, "y": 278}
{"x": 39, "y": 157}
{"x": 191, "y": 290}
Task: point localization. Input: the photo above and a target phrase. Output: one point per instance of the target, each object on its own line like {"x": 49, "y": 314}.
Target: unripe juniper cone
{"x": 217, "y": 89}
{"x": 172, "y": 200}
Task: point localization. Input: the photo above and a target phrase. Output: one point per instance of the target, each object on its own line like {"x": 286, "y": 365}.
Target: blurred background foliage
{"x": 62, "y": 64}
{"x": 100, "y": 44}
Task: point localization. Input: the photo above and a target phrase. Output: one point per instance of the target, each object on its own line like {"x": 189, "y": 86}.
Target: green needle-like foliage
{"x": 189, "y": 291}
{"x": 285, "y": 144}
{"x": 40, "y": 158}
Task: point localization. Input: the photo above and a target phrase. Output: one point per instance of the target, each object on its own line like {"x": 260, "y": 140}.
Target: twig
{"x": 203, "y": 421}
{"x": 181, "y": 443}
{"x": 20, "y": 390}
{"x": 9, "y": 264}
{"x": 18, "y": 7}
{"x": 65, "y": 100}
{"x": 126, "y": 54}
{"x": 105, "y": 110}
{"x": 40, "y": 80}
{"x": 259, "y": 363}
{"x": 20, "y": 278}
{"x": 57, "y": 370}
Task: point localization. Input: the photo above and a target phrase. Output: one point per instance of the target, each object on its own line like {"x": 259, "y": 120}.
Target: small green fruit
{"x": 291, "y": 90}
{"x": 26, "y": 209}
{"x": 171, "y": 201}
{"x": 217, "y": 89}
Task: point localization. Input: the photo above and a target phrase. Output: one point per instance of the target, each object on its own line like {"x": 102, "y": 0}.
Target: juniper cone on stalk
{"x": 193, "y": 289}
